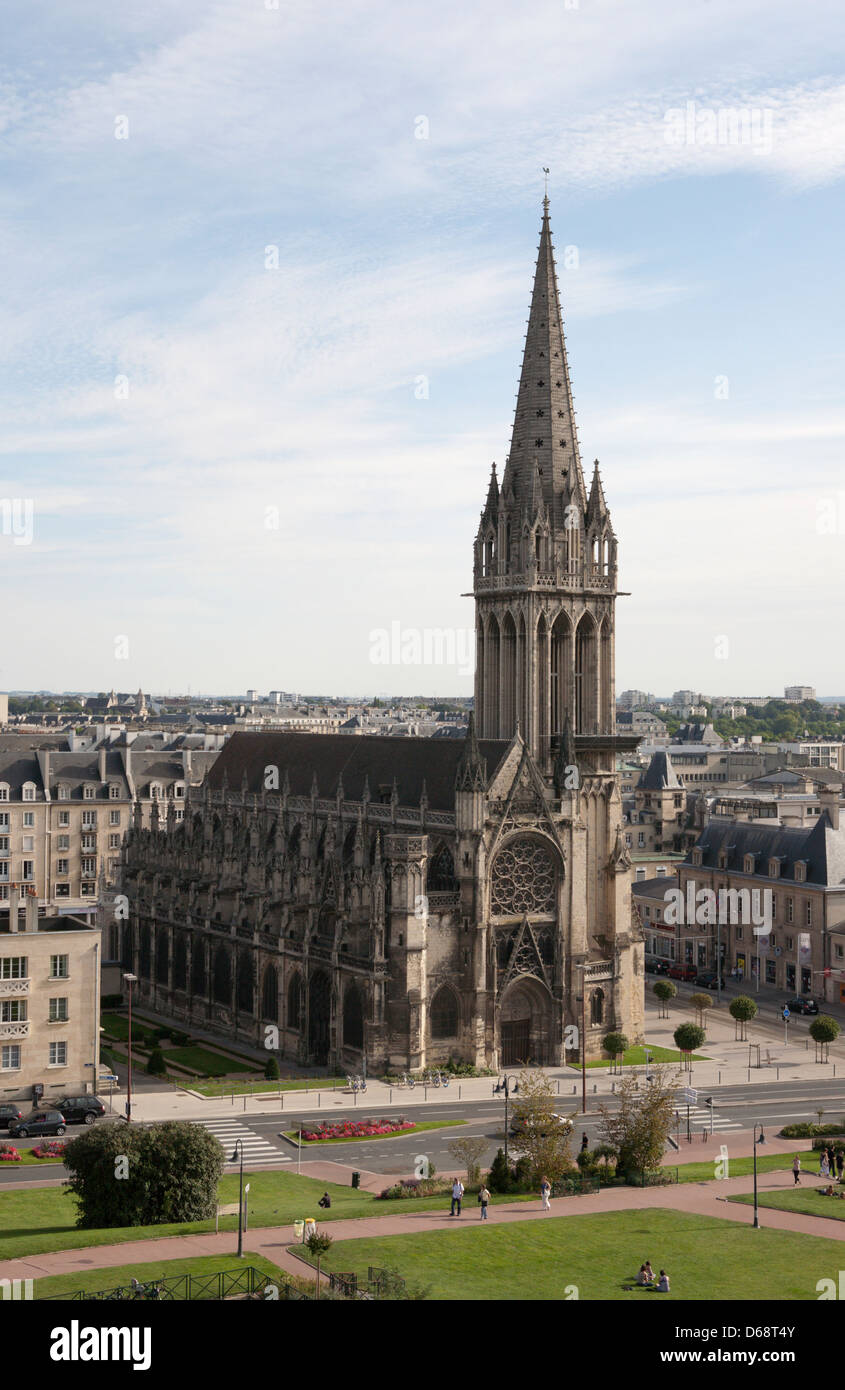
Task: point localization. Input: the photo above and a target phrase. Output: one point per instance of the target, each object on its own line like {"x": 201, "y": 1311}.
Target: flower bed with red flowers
{"x": 55, "y": 1149}
{"x": 9, "y": 1154}
{"x": 356, "y": 1129}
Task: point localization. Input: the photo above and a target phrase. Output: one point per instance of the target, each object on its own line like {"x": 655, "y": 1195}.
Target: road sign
{"x": 786, "y": 1013}
{"x": 107, "y": 1076}
{"x": 690, "y": 1096}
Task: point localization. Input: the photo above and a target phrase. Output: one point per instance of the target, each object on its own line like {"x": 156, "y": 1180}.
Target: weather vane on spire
{"x": 546, "y": 183}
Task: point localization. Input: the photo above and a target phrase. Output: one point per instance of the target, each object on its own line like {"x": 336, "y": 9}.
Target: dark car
{"x": 708, "y": 979}
{"x": 9, "y": 1113}
{"x": 81, "y": 1110}
{"x": 682, "y": 972}
{"x": 656, "y": 966}
{"x": 38, "y": 1122}
{"x": 802, "y": 1005}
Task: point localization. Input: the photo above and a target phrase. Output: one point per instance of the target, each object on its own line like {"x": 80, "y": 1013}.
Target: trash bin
{"x": 299, "y": 1229}
{"x": 310, "y": 1227}
{"x": 356, "y": 1179}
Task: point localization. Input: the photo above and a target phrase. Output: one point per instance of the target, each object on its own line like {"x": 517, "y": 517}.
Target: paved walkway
{"x": 275, "y": 1243}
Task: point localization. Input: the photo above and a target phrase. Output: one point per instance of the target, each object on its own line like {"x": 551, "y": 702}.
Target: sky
{"x": 267, "y": 272}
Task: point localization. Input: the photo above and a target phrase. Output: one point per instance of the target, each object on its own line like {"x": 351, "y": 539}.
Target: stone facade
{"x": 407, "y": 901}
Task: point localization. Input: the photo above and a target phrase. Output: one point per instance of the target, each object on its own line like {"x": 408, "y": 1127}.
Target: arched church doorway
{"x": 525, "y": 1024}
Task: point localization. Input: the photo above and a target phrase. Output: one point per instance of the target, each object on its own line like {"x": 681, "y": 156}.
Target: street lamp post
{"x": 239, "y": 1145}
{"x": 757, "y": 1141}
{"x": 507, "y": 1084}
{"x": 130, "y": 980}
{"x": 582, "y": 999}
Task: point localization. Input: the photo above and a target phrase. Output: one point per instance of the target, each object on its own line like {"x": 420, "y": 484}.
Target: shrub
{"x": 805, "y": 1130}
{"x": 500, "y": 1177}
{"x": 156, "y": 1066}
{"x": 271, "y": 1071}
{"x": 111, "y": 1001}
{"x": 9, "y": 1154}
{"x": 179, "y": 1039}
{"x": 172, "y": 1172}
{"x": 688, "y": 1037}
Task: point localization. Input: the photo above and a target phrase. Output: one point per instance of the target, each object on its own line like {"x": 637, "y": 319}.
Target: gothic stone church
{"x": 411, "y": 900}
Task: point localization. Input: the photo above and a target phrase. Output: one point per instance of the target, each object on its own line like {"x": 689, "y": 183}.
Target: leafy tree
{"x": 543, "y": 1138}
{"x": 616, "y": 1045}
{"x": 318, "y": 1244}
{"x": 127, "y": 1175}
{"x": 687, "y": 1038}
{"x": 665, "y": 990}
{"x": 469, "y": 1153}
{"x": 824, "y": 1030}
{"x": 701, "y": 1003}
{"x": 742, "y": 1010}
{"x": 271, "y": 1071}
{"x": 639, "y": 1125}
{"x": 156, "y": 1066}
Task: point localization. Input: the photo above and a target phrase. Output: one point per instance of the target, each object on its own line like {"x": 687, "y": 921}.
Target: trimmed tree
{"x": 687, "y": 1038}
{"x": 640, "y": 1123}
{"x": 616, "y": 1045}
{"x": 543, "y": 1139}
{"x": 318, "y": 1244}
{"x": 271, "y": 1071}
{"x": 156, "y": 1066}
{"x": 127, "y": 1175}
{"x": 742, "y": 1010}
{"x": 469, "y": 1153}
{"x": 665, "y": 990}
{"x": 824, "y": 1030}
{"x": 701, "y": 1003}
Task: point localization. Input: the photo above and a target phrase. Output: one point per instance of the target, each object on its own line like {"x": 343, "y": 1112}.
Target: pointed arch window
{"x": 440, "y": 876}
{"x": 444, "y": 1013}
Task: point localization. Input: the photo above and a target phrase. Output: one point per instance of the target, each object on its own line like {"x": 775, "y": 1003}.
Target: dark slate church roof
{"x": 411, "y": 761}
{"x": 820, "y": 845}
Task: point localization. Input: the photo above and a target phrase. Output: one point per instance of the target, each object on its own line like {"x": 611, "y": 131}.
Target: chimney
{"x": 102, "y": 762}
{"x": 829, "y": 802}
{"x": 13, "y": 909}
{"x": 31, "y": 911}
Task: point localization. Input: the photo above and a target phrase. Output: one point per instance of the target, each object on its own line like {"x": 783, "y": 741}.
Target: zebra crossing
{"x": 699, "y": 1118}
{"x": 256, "y": 1149}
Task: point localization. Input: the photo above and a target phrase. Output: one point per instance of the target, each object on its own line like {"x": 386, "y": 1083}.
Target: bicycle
{"x": 408, "y": 1080}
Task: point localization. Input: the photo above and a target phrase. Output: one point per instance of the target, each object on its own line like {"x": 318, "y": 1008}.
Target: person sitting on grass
{"x": 663, "y": 1282}
{"x": 645, "y": 1276}
{"x": 325, "y": 1201}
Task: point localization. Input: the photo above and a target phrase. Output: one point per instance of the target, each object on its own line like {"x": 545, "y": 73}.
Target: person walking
{"x": 840, "y": 1164}
{"x": 483, "y": 1200}
{"x": 545, "y": 1193}
{"x": 796, "y": 1169}
{"x": 824, "y": 1164}
{"x": 585, "y": 1143}
{"x": 457, "y": 1194}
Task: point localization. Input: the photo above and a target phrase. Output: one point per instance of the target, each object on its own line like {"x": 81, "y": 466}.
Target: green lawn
{"x": 635, "y": 1057}
{"x": 41, "y": 1219}
{"x": 365, "y": 1138}
{"x": 807, "y": 1200}
{"x": 250, "y": 1088}
{"x": 95, "y": 1280}
{"x": 599, "y": 1256}
{"x": 206, "y": 1063}
{"x": 116, "y": 1026}
{"x": 738, "y": 1167}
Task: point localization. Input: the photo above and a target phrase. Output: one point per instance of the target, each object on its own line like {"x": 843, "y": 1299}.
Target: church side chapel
{"x": 411, "y": 901}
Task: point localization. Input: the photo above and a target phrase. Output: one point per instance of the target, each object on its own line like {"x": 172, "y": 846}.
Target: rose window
{"x": 523, "y": 880}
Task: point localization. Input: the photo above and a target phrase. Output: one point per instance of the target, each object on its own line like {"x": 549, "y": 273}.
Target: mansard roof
{"x": 822, "y": 847}
{"x": 411, "y": 761}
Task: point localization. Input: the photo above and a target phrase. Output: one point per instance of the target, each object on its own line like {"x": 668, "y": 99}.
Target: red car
{"x": 682, "y": 972}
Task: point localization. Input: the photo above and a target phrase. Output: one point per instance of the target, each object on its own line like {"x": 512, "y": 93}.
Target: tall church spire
{"x": 544, "y": 421}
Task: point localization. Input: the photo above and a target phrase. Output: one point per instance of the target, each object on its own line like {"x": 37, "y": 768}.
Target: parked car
{"x": 81, "y": 1110}
{"x": 678, "y": 971}
{"x": 519, "y": 1125}
{"x": 802, "y": 1004}
{"x": 655, "y": 965}
{"x": 9, "y": 1113}
{"x": 708, "y": 979}
{"x": 38, "y": 1122}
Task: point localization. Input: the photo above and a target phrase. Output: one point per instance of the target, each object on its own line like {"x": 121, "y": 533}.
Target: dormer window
{"x": 723, "y": 858}
{"x": 801, "y": 871}
{"x": 155, "y": 791}
{"x": 748, "y": 863}
{"x": 774, "y": 868}
{"x": 64, "y": 792}
{"x": 114, "y": 791}
{"x": 90, "y": 792}
{"x": 4, "y": 791}
{"x": 28, "y": 791}
{"x": 697, "y": 857}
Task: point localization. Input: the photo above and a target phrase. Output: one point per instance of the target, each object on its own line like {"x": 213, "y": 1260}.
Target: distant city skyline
{"x": 264, "y": 316}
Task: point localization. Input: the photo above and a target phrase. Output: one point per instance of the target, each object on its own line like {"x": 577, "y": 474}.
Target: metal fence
{"x": 244, "y": 1282}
